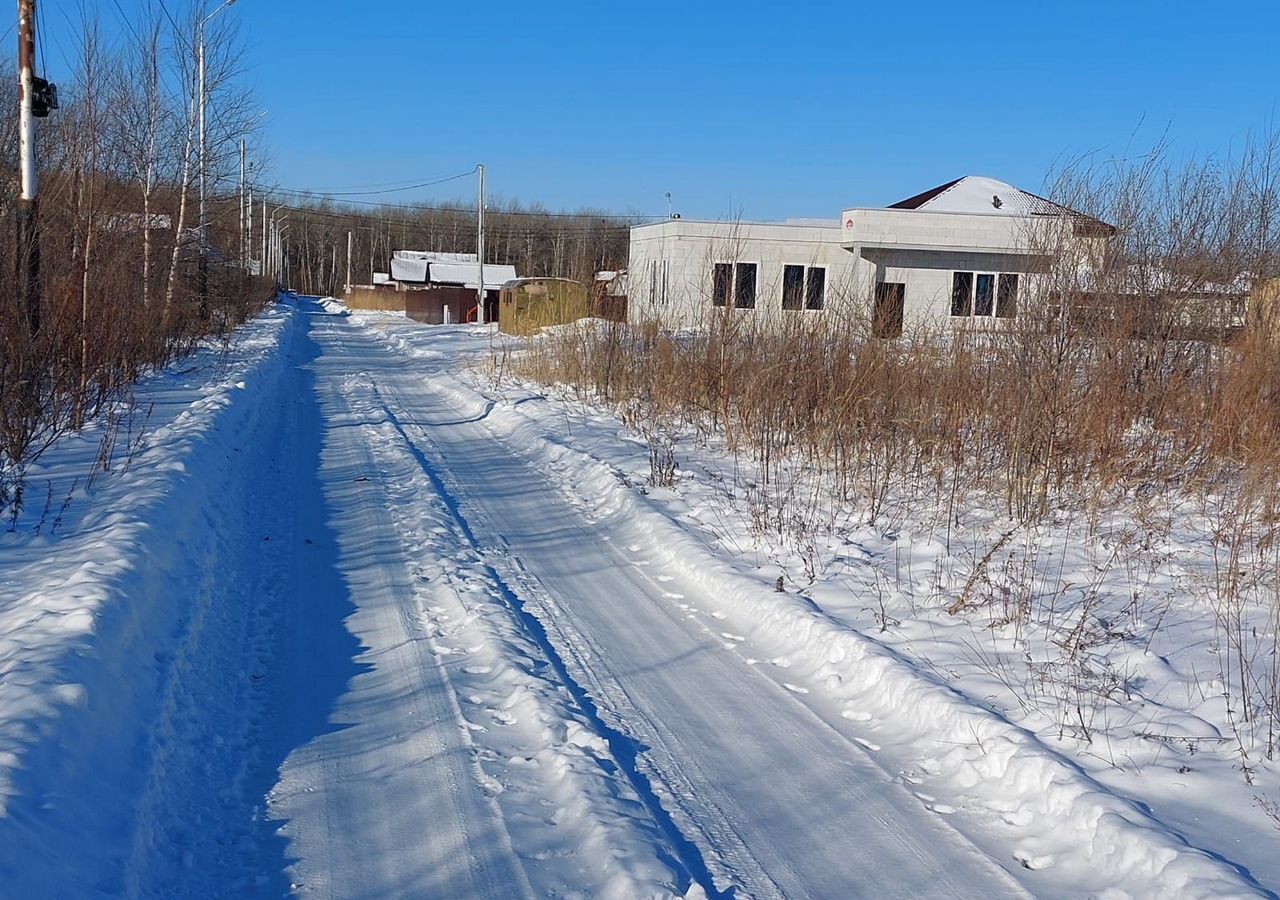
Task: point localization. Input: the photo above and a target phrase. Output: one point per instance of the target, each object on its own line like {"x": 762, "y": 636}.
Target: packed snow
{"x": 348, "y": 616}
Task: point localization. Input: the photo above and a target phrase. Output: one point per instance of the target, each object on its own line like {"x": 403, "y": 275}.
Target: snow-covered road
{"x": 745, "y": 787}
{"x": 355, "y": 629}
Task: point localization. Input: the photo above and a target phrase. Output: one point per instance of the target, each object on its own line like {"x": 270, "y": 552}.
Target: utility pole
{"x": 242, "y": 207}
{"x": 262, "y": 257}
{"x": 28, "y": 257}
{"x": 480, "y": 248}
{"x": 348, "y": 262}
{"x": 248, "y": 237}
{"x": 202, "y": 90}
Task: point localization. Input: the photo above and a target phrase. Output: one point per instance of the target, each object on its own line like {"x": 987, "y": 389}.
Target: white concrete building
{"x": 963, "y": 251}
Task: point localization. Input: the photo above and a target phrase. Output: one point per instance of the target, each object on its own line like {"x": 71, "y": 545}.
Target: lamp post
{"x": 267, "y": 234}
{"x": 281, "y": 227}
{"x": 202, "y": 92}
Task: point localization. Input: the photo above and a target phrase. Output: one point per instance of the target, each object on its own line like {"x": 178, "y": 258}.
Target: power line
{"x": 386, "y": 190}
{"x": 268, "y": 191}
{"x": 373, "y": 222}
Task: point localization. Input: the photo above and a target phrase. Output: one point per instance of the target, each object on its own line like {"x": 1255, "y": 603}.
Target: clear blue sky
{"x": 770, "y": 110}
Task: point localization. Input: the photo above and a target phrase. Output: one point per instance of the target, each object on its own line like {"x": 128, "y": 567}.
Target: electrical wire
{"x": 384, "y": 189}
{"x": 413, "y": 207}
{"x": 424, "y": 226}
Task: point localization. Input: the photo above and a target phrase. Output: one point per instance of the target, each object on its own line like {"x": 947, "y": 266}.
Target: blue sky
{"x": 763, "y": 110}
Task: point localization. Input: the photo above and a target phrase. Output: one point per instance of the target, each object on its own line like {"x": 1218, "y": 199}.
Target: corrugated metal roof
{"x": 466, "y": 274}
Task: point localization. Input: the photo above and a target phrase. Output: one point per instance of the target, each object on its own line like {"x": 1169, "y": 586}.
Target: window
{"x": 722, "y": 280}
{"x": 961, "y": 293}
{"x": 984, "y": 294}
{"x": 815, "y": 288}
{"x": 803, "y": 288}
{"x": 1007, "y": 297}
{"x": 744, "y": 286}
{"x": 792, "y": 287}
{"x": 886, "y": 318}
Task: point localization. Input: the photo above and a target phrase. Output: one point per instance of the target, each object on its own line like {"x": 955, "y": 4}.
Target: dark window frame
{"x": 1000, "y": 302}
{"x": 793, "y": 287}
{"x": 815, "y": 299}
{"x": 745, "y": 289}
{"x": 721, "y": 283}
{"x": 1007, "y": 295}
{"x": 984, "y": 301}
{"x": 961, "y": 297}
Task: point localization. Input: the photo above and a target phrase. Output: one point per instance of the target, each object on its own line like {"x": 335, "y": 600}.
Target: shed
{"x": 527, "y": 304}
{"x": 445, "y": 284}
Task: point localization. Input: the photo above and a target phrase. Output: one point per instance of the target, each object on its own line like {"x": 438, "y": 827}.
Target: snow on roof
{"x": 433, "y": 256}
{"x": 465, "y": 274}
{"x": 134, "y": 221}
{"x": 979, "y": 195}
{"x": 408, "y": 269}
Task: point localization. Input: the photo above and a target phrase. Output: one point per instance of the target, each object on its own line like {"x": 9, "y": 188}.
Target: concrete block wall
{"x": 927, "y": 275}
{"x": 683, "y": 254}
{"x": 958, "y": 231}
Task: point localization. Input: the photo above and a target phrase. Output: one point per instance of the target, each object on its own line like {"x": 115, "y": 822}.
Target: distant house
{"x": 442, "y": 286}
{"x": 957, "y": 253}
{"x": 132, "y": 222}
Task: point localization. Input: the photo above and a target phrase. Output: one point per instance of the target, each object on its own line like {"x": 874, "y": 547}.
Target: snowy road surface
{"x": 739, "y": 786}
{"x": 392, "y": 651}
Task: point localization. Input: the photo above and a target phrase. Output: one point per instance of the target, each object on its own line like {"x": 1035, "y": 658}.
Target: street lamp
{"x": 282, "y": 264}
{"x": 204, "y": 221}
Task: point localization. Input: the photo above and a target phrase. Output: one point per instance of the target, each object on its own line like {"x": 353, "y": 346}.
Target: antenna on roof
{"x": 669, "y": 215}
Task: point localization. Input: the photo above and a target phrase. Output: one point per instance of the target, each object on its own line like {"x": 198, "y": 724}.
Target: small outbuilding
{"x": 441, "y": 287}
{"x": 527, "y": 304}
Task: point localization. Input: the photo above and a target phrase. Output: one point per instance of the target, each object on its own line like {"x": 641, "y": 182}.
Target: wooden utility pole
{"x": 480, "y": 248}
{"x": 28, "y": 223}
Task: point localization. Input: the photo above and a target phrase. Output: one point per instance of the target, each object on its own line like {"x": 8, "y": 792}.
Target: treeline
{"x": 535, "y": 240}
{"x": 120, "y": 287}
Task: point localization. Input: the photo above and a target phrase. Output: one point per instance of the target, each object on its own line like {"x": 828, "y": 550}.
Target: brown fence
{"x": 388, "y": 298}
{"x": 430, "y": 306}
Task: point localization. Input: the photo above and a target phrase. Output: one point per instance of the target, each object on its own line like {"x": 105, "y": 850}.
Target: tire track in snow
{"x": 623, "y": 749}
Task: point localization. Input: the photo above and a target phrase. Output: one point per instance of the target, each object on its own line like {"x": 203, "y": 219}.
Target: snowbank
{"x": 100, "y": 632}
{"x": 1010, "y": 784}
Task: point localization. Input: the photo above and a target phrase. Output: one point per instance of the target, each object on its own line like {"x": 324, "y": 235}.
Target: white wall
{"x": 913, "y": 228}
{"x": 671, "y": 264}
{"x": 927, "y": 275}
